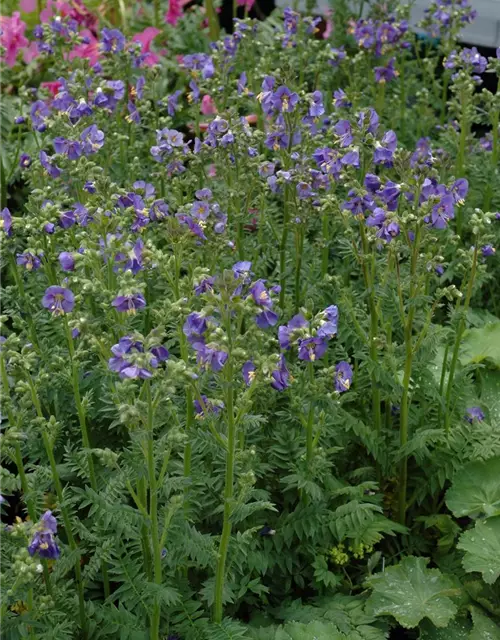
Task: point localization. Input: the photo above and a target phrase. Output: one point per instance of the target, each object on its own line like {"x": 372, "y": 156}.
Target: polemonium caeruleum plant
{"x": 248, "y": 356}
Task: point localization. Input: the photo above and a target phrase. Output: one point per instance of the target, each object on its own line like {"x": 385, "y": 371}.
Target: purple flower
{"x": 129, "y": 303}
{"x": 28, "y": 260}
{"x": 67, "y": 261}
{"x": 442, "y": 212}
{"x": 459, "y": 190}
{"x": 336, "y": 56}
{"x": 59, "y": 300}
{"x": 172, "y": 103}
{"x": 207, "y": 406}
{"x": 284, "y": 100}
{"x": 25, "y": 161}
{"x": 160, "y": 354}
{"x": 52, "y": 170}
{"x": 6, "y": 221}
{"x": 351, "y": 158}
{"x": 40, "y": 113}
{"x": 343, "y": 377}
{"x": 205, "y": 285}
{"x": 329, "y": 323}
{"x": 159, "y": 210}
{"x": 373, "y": 120}
{"x": 92, "y": 139}
{"x": 260, "y": 294}
{"x": 316, "y": 107}
{"x": 195, "y": 327}
{"x": 343, "y": 131}
{"x": 372, "y": 182}
{"x": 472, "y": 59}
{"x": 193, "y": 226}
{"x": 340, "y": 99}
{"x": 384, "y": 151}
{"x": 200, "y": 209}
{"x": 474, "y": 413}
{"x": 488, "y": 250}
{"x": 266, "y": 319}
{"x": 286, "y": 334}
{"x": 248, "y": 371}
{"x": 280, "y": 376}
{"x": 312, "y": 348}
{"x": 42, "y": 541}
{"x": 208, "y": 357}
{"x": 113, "y": 40}
{"x": 387, "y": 73}
{"x": 70, "y": 148}
{"x": 304, "y": 190}
{"x": 242, "y": 270}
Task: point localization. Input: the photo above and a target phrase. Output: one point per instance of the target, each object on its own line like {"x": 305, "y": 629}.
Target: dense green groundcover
{"x": 250, "y": 354}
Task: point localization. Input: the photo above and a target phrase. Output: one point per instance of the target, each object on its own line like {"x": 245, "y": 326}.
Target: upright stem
{"x": 85, "y": 436}
{"x": 213, "y": 21}
{"x": 494, "y": 159}
{"x": 406, "y": 399}
{"x": 228, "y": 489}
{"x": 464, "y": 128}
{"x": 284, "y": 239}
{"x": 370, "y": 285}
{"x": 458, "y": 339}
{"x": 156, "y": 13}
{"x": 310, "y": 417}
{"x": 64, "y": 512}
{"x": 153, "y": 513}
{"x": 326, "y": 245}
{"x": 298, "y": 266}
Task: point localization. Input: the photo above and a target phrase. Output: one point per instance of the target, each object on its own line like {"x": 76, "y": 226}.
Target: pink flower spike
{"x": 207, "y": 106}
{"x": 89, "y": 50}
{"x": 145, "y": 38}
{"x": 27, "y": 6}
{"x": 30, "y": 53}
{"x": 12, "y": 37}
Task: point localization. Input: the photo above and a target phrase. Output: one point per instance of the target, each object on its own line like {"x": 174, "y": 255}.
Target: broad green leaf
{"x": 482, "y": 549}
{"x": 456, "y": 630}
{"x": 484, "y": 627}
{"x": 411, "y": 592}
{"x": 476, "y": 489}
{"x": 490, "y": 395}
{"x": 481, "y": 344}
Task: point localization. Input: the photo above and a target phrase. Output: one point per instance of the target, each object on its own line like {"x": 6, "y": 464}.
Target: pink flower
{"x": 27, "y": 6}
{"x": 212, "y": 171}
{"x": 54, "y": 7}
{"x": 329, "y": 24}
{"x": 53, "y": 87}
{"x": 207, "y": 106}
{"x": 145, "y": 38}
{"x": 248, "y": 4}
{"x": 175, "y": 11}
{"x": 88, "y": 50}
{"x": 12, "y": 37}
{"x": 30, "y": 53}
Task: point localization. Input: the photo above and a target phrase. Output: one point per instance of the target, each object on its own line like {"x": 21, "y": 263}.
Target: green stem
{"x": 298, "y": 266}
{"x": 406, "y": 399}
{"x": 228, "y": 492}
{"x": 213, "y": 21}
{"x": 458, "y": 339}
{"x": 369, "y": 282}
{"x": 494, "y": 160}
{"x": 325, "y": 251}
{"x": 153, "y": 513}
{"x": 310, "y": 417}
{"x": 85, "y": 436}
{"x": 283, "y": 243}
{"x": 49, "y": 449}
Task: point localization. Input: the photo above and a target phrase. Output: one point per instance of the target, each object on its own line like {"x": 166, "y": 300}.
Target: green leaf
{"x": 456, "y": 630}
{"x": 410, "y": 592}
{"x": 482, "y": 549}
{"x": 481, "y": 344}
{"x": 484, "y": 627}
{"x": 490, "y": 394}
{"x": 476, "y": 489}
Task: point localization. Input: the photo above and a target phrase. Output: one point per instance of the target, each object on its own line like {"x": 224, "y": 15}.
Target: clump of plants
{"x": 249, "y": 353}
